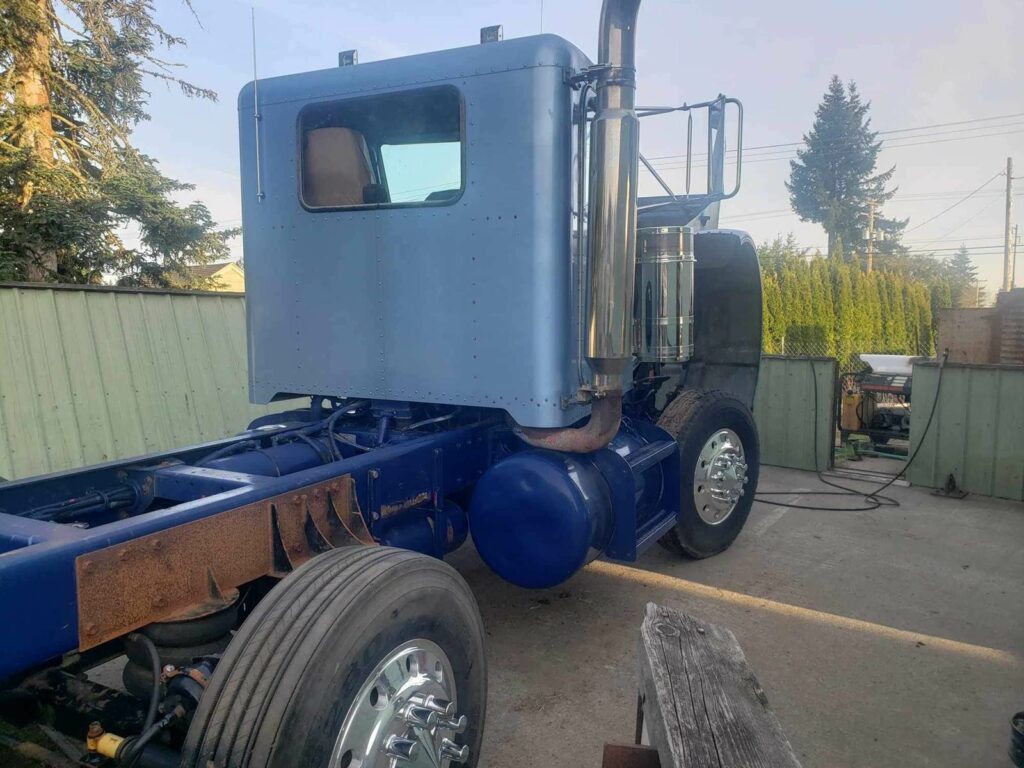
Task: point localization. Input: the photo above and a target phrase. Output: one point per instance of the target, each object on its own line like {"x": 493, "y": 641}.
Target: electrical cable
{"x": 154, "y": 659}
{"x": 765, "y": 158}
{"x": 434, "y": 420}
{"x": 874, "y": 497}
{"x": 881, "y": 133}
{"x": 958, "y": 202}
{"x": 133, "y": 752}
{"x": 350, "y": 443}
{"x": 150, "y": 727}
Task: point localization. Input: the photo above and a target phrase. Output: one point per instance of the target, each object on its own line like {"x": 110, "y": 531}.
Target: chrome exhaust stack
{"x": 611, "y": 263}
{"x": 615, "y": 148}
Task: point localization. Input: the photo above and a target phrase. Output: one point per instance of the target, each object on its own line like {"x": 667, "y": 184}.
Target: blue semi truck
{"x": 447, "y": 255}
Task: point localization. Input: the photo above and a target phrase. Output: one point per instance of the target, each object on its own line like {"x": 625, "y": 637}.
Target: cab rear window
{"x": 398, "y": 149}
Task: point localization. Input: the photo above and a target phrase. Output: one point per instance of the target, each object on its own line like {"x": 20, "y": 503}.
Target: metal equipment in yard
{"x": 497, "y": 337}
{"x": 876, "y": 402}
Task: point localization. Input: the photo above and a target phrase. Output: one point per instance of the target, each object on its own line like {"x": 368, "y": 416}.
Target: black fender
{"x": 727, "y": 315}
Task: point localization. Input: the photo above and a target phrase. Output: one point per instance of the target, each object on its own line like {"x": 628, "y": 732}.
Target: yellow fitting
{"x": 101, "y": 743}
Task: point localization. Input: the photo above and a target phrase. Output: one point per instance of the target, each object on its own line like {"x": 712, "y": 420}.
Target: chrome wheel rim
{"x": 405, "y": 715}
{"x": 719, "y": 477}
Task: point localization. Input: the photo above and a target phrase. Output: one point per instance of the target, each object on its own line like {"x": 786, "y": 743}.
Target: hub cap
{"x": 405, "y": 715}
{"x": 719, "y": 477}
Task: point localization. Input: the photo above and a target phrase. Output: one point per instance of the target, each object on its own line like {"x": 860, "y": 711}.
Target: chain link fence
{"x": 818, "y": 341}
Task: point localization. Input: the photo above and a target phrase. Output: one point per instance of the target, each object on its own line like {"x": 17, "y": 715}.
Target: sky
{"x": 919, "y": 62}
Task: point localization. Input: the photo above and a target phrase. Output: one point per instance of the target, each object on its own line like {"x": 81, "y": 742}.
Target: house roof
{"x": 206, "y": 271}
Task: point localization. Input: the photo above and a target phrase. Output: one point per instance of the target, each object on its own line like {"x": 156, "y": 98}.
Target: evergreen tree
{"x": 963, "y": 275}
{"x": 824, "y": 311}
{"x": 833, "y": 179}
{"x": 824, "y": 306}
{"x": 846, "y": 314}
{"x": 876, "y": 309}
{"x": 73, "y": 75}
{"x": 773, "y": 254}
{"x": 772, "y": 314}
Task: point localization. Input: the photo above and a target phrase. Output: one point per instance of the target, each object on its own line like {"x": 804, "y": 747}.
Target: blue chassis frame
{"x": 38, "y": 590}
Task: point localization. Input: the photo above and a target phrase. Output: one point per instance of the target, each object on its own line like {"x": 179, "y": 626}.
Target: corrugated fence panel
{"x": 91, "y": 375}
{"x": 784, "y": 409}
{"x": 94, "y": 375}
{"x": 977, "y": 432}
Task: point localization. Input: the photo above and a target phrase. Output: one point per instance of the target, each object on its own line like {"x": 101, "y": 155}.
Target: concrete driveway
{"x": 882, "y": 638}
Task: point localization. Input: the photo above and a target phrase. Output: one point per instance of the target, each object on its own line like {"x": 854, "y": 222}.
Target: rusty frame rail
{"x": 207, "y": 531}
{"x": 129, "y": 585}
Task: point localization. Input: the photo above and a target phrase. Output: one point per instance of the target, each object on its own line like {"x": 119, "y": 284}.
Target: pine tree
{"x": 833, "y": 178}
{"x": 73, "y": 74}
{"x": 963, "y": 275}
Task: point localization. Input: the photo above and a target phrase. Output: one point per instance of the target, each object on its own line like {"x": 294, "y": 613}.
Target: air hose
{"x": 874, "y": 498}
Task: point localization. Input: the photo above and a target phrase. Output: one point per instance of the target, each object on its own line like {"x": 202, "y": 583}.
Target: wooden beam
{"x": 703, "y": 706}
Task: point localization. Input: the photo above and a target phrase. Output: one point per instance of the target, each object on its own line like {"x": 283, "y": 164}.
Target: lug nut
{"x": 453, "y": 751}
{"x": 434, "y": 704}
{"x": 418, "y": 716}
{"x": 457, "y": 724}
{"x": 402, "y": 749}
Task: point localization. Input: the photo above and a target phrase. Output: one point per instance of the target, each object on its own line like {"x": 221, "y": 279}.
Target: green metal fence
{"x": 95, "y": 374}
{"x": 91, "y": 375}
{"x": 796, "y": 398}
{"x": 977, "y": 431}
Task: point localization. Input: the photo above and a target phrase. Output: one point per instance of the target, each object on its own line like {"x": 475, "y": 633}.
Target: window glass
{"x": 394, "y": 150}
{"x": 423, "y": 172}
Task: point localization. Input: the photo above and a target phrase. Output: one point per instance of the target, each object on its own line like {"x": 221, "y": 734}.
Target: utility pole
{"x": 871, "y": 237}
{"x": 1007, "y": 263}
{"x": 1016, "y": 236}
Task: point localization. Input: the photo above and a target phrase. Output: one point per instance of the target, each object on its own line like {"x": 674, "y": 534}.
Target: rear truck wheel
{"x": 368, "y": 657}
{"x": 719, "y": 466}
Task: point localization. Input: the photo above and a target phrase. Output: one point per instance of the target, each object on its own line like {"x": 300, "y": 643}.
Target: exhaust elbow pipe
{"x": 603, "y": 425}
{"x": 611, "y": 262}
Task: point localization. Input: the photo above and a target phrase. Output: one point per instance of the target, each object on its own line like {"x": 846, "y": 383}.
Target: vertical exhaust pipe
{"x": 615, "y": 150}
{"x": 615, "y": 147}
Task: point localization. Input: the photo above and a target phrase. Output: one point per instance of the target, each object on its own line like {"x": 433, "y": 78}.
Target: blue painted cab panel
{"x": 467, "y": 303}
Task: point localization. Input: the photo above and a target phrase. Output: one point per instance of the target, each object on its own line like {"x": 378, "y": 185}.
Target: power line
{"x": 952, "y": 240}
{"x": 954, "y": 205}
{"x": 941, "y": 252}
{"x": 970, "y": 218}
{"x": 680, "y": 165}
{"x": 880, "y": 133}
{"x": 775, "y": 213}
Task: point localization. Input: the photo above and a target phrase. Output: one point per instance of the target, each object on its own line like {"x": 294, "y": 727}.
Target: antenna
{"x": 256, "y": 110}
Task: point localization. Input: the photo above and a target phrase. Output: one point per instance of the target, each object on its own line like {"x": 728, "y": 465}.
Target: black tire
{"x": 281, "y": 692}
{"x": 692, "y": 418}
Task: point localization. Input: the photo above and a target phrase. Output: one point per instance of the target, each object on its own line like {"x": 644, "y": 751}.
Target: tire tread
{"x": 675, "y": 419}
{"x": 237, "y": 701}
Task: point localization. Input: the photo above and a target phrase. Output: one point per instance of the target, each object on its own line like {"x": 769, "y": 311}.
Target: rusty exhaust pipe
{"x": 615, "y": 149}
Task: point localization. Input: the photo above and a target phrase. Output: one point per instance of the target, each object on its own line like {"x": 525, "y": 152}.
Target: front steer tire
{"x": 279, "y": 696}
{"x": 693, "y": 418}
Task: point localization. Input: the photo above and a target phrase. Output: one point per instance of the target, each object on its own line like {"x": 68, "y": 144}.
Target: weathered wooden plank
{"x": 703, "y": 706}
